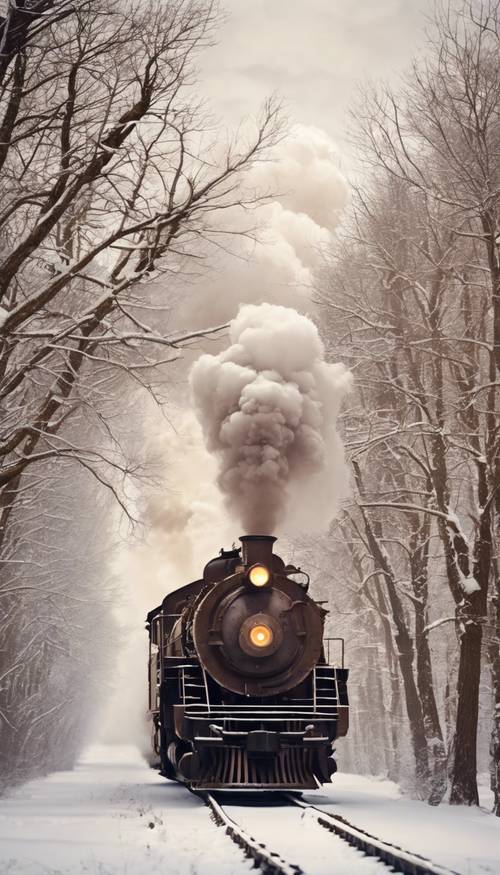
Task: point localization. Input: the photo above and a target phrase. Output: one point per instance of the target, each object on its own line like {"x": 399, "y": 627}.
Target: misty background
{"x": 276, "y": 156}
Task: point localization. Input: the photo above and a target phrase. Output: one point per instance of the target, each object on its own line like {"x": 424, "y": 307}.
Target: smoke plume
{"x": 268, "y": 407}
{"x": 276, "y": 261}
{"x": 185, "y": 520}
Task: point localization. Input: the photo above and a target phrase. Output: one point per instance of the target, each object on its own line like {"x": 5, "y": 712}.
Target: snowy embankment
{"x": 112, "y": 815}
{"x": 115, "y": 816}
{"x": 466, "y": 840}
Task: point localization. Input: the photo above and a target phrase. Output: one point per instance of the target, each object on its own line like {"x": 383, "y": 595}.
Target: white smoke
{"x": 268, "y": 407}
{"x": 306, "y": 177}
{"x": 184, "y": 517}
{"x": 275, "y": 263}
{"x": 184, "y": 525}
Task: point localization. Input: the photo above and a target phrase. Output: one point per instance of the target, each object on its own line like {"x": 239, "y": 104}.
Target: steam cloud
{"x": 185, "y": 516}
{"x": 268, "y": 407}
{"x": 277, "y": 263}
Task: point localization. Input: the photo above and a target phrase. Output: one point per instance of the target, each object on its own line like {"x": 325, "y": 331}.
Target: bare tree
{"x": 409, "y": 303}
{"x": 102, "y": 191}
{"x": 112, "y": 178}
{"x": 23, "y": 22}
{"x": 433, "y": 321}
{"x": 58, "y": 632}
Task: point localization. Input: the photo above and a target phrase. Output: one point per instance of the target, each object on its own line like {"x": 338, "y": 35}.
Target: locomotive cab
{"x": 241, "y": 692}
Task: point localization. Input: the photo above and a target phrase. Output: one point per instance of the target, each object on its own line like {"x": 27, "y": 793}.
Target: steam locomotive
{"x": 242, "y": 694}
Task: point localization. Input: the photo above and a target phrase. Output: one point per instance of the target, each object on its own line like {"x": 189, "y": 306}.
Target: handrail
{"x": 326, "y": 640}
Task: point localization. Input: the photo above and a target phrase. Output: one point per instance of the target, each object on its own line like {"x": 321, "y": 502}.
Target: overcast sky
{"x": 312, "y": 52}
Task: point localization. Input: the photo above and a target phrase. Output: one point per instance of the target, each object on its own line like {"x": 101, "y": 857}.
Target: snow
{"x": 295, "y": 835}
{"x": 469, "y": 584}
{"x": 113, "y": 815}
{"x": 462, "y": 838}
{"x": 437, "y": 623}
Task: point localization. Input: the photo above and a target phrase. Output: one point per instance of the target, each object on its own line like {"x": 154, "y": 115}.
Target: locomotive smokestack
{"x": 257, "y": 548}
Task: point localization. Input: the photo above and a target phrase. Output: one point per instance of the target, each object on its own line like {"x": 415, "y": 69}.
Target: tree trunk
{"x": 432, "y": 724}
{"x": 404, "y": 650}
{"x": 396, "y": 721}
{"x": 471, "y": 614}
{"x": 419, "y": 560}
{"x": 464, "y": 782}
{"x": 395, "y": 709}
{"x": 494, "y": 659}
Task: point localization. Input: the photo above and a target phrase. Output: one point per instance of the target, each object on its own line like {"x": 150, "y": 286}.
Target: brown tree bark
{"x": 419, "y": 555}
{"x": 494, "y": 656}
{"x": 471, "y": 614}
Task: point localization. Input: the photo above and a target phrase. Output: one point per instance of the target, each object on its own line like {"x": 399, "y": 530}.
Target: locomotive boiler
{"x": 242, "y": 693}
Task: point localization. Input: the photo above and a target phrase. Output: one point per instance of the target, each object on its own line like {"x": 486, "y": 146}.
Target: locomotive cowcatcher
{"x": 241, "y": 691}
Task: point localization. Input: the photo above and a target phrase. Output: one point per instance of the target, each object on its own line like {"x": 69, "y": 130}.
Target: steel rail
{"x": 391, "y": 855}
{"x": 268, "y": 862}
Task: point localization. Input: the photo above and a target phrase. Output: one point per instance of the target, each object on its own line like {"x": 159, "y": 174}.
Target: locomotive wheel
{"x": 167, "y": 770}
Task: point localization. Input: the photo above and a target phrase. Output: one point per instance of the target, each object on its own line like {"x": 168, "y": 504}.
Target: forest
{"x": 119, "y": 193}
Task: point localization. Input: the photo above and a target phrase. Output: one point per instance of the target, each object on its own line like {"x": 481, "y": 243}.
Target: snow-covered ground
{"x": 115, "y": 816}
{"x": 295, "y": 835}
{"x": 464, "y": 839}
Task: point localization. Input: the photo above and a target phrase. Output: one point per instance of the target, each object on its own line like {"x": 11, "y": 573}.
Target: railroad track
{"x": 269, "y": 862}
{"x": 385, "y": 857}
{"x": 391, "y": 855}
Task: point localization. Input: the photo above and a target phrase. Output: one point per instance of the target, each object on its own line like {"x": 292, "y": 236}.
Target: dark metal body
{"x": 226, "y": 715}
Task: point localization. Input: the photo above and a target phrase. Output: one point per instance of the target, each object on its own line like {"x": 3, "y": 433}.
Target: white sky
{"x": 312, "y": 52}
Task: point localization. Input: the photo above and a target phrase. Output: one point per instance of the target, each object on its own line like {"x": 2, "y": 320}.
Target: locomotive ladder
{"x": 194, "y": 685}
{"x": 325, "y": 686}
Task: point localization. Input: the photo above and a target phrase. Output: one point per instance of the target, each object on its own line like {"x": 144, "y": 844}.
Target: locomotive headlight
{"x": 259, "y": 575}
{"x": 261, "y": 635}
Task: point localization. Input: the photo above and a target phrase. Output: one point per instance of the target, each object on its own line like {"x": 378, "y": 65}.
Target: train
{"x": 243, "y": 692}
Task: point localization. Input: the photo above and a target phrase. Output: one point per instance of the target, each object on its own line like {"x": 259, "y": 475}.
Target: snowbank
{"x": 464, "y": 839}
{"x": 111, "y": 816}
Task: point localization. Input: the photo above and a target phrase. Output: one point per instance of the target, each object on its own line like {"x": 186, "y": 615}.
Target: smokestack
{"x": 257, "y": 549}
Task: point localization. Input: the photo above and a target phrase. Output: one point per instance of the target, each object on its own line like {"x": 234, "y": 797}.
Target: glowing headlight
{"x": 259, "y": 575}
{"x": 261, "y": 636}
